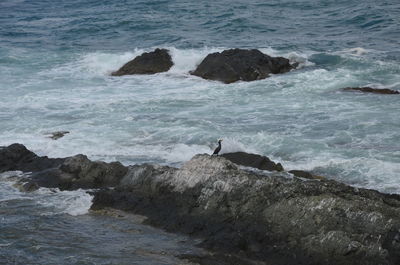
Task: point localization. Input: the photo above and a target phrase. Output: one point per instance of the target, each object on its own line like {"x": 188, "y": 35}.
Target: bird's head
{"x": 219, "y": 140}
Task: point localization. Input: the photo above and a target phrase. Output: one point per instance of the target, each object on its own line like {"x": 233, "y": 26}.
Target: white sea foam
{"x": 233, "y": 144}
{"x": 105, "y": 63}
{"x": 77, "y": 202}
{"x": 169, "y": 117}
{"x": 294, "y": 56}
{"x": 358, "y": 51}
{"x": 187, "y": 60}
{"x": 52, "y": 201}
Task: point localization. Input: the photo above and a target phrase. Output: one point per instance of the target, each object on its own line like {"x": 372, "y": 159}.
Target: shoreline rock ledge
{"x": 239, "y": 64}
{"x": 242, "y": 216}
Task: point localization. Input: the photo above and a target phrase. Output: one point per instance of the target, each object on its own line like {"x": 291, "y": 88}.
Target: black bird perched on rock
{"x": 216, "y": 151}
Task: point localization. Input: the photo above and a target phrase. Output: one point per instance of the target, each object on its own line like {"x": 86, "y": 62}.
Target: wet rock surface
{"x": 79, "y": 172}
{"x": 64, "y": 173}
{"x": 305, "y": 174}
{"x": 242, "y": 216}
{"x": 17, "y": 157}
{"x": 153, "y": 62}
{"x": 239, "y": 64}
{"x": 253, "y": 160}
{"x": 57, "y": 135}
{"x": 372, "y": 90}
{"x": 266, "y": 218}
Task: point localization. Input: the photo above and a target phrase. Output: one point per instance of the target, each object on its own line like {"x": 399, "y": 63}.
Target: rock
{"x": 27, "y": 187}
{"x": 17, "y": 157}
{"x": 64, "y": 173}
{"x": 372, "y": 90}
{"x": 238, "y": 64}
{"x": 80, "y": 172}
{"x": 305, "y": 174}
{"x": 269, "y": 219}
{"x": 148, "y": 63}
{"x": 58, "y": 135}
{"x": 253, "y": 160}
{"x": 242, "y": 216}
{"x": 92, "y": 174}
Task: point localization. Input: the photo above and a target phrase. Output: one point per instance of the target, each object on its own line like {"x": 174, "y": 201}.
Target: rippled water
{"x": 52, "y": 227}
{"x": 56, "y": 57}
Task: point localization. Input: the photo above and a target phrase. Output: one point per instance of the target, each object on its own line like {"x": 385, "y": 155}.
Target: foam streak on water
{"x": 46, "y": 201}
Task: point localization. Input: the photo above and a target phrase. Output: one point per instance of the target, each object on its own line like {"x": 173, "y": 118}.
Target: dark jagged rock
{"x": 372, "y": 90}
{"x": 269, "y": 219}
{"x": 79, "y": 172}
{"x": 238, "y": 64}
{"x": 92, "y": 174}
{"x": 64, "y": 173}
{"x": 17, "y": 157}
{"x": 243, "y": 217}
{"x": 304, "y": 174}
{"x": 148, "y": 63}
{"x": 253, "y": 160}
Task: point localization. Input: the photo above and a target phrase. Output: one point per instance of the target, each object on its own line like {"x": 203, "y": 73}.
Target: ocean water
{"x": 49, "y": 226}
{"x": 56, "y": 58}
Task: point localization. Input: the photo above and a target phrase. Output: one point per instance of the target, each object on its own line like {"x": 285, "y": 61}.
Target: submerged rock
{"x": 27, "y": 187}
{"x": 58, "y": 135}
{"x": 253, "y": 160}
{"x": 238, "y": 64}
{"x": 148, "y": 63}
{"x": 372, "y": 90}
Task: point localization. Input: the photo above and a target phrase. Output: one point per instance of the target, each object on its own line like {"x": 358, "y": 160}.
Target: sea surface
{"x": 55, "y": 63}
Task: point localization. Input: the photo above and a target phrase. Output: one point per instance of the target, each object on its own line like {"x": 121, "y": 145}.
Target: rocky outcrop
{"x": 242, "y": 216}
{"x": 17, "y": 157}
{"x": 79, "y": 172}
{"x": 372, "y": 90}
{"x": 238, "y": 64}
{"x": 148, "y": 63}
{"x": 253, "y": 160}
{"x": 271, "y": 219}
{"x": 64, "y": 173}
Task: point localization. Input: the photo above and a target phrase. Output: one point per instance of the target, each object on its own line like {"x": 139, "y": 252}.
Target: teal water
{"x": 56, "y": 58}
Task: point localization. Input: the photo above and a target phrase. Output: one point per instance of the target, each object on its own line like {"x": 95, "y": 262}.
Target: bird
{"x": 216, "y": 151}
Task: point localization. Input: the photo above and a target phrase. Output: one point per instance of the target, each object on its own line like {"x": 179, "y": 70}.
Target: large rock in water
{"x": 148, "y": 63}
{"x": 238, "y": 64}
